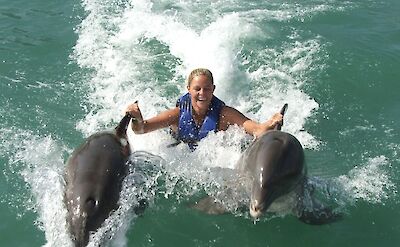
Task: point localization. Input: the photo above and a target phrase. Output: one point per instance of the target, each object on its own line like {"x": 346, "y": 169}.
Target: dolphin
{"x": 275, "y": 164}
{"x": 93, "y": 176}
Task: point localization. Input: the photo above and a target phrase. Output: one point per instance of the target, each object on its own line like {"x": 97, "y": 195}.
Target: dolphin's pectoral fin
{"x": 315, "y": 213}
{"x": 208, "y": 205}
{"x": 312, "y": 211}
{"x": 320, "y": 216}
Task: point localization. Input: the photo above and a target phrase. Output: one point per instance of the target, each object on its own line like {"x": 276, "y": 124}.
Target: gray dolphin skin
{"x": 94, "y": 175}
{"x": 275, "y": 164}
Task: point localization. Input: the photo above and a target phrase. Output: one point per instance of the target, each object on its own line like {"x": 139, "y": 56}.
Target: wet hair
{"x": 200, "y": 71}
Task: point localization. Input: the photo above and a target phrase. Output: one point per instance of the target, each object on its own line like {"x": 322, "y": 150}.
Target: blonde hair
{"x": 200, "y": 71}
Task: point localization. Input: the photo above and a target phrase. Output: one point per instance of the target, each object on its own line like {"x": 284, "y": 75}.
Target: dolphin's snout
{"x": 81, "y": 224}
{"x": 79, "y": 232}
{"x": 256, "y": 210}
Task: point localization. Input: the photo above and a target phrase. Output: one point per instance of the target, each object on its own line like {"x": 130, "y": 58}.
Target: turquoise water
{"x": 68, "y": 69}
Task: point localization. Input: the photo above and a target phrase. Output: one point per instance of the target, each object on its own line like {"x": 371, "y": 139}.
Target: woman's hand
{"x": 276, "y": 119}
{"x": 137, "y": 118}
{"x": 270, "y": 124}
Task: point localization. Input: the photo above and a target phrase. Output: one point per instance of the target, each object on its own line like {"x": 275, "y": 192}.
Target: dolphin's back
{"x": 274, "y": 150}
{"x": 283, "y": 152}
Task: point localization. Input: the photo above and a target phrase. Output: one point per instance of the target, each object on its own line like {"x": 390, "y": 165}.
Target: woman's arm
{"x": 231, "y": 116}
{"x": 162, "y": 120}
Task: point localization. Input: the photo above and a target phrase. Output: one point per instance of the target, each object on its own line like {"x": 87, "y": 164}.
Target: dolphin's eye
{"x": 92, "y": 203}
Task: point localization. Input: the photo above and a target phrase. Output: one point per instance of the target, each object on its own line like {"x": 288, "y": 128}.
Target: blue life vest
{"x": 188, "y": 131}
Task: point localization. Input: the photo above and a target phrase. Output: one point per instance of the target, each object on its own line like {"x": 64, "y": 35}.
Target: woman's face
{"x": 201, "y": 91}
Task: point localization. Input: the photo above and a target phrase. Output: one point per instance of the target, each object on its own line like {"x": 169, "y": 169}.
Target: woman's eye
{"x": 206, "y": 89}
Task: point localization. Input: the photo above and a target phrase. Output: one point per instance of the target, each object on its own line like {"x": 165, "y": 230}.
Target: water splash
{"x": 130, "y": 48}
{"x": 371, "y": 182}
{"x": 38, "y": 161}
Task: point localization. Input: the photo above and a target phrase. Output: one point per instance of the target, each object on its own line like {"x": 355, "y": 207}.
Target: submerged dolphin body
{"x": 94, "y": 175}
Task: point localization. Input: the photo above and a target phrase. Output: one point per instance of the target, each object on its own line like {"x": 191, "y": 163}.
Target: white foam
{"x": 215, "y": 47}
{"x": 292, "y": 11}
{"x": 370, "y": 182}
{"x": 122, "y": 64}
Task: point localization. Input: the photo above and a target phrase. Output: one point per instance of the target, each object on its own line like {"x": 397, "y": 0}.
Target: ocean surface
{"x": 69, "y": 68}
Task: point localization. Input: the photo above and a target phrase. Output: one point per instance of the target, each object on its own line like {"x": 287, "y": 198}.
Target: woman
{"x": 199, "y": 112}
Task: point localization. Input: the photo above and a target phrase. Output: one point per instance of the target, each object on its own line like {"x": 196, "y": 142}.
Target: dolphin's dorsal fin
{"x": 283, "y": 110}
{"x": 121, "y": 128}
